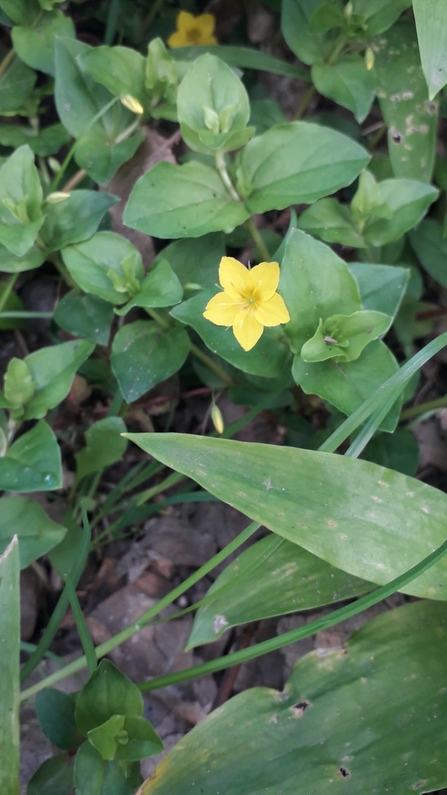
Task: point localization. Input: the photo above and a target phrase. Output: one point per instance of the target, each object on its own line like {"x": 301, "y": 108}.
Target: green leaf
{"x": 315, "y": 283}
{"x": 37, "y": 533}
{"x": 120, "y": 69}
{"x": 92, "y": 262}
{"x": 108, "y": 692}
{"x": 11, "y": 263}
{"x": 344, "y": 337}
{"x": 101, "y": 152}
{"x": 362, "y": 518}
{"x": 43, "y": 142}
{"x": 55, "y": 711}
{"x": 93, "y": 776}
{"x": 9, "y": 680}
{"x": 382, "y": 287}
{"x": 295, "y": 26}
{"x": 75, "y": 219}
{"x": 431, "y": 248}
{"x": 244, "y": 58}
{"x": 408, "y": 201}
{"x": 379, "y": 14}
{"x": 103, "y": 737}
{"x": 104, "y": 446}
{"x": 182, "y": 201}
{"x": 268, "y": 358}
{"x": 348, "y": 82}
{"x": 431, "y": 26}
{"x": 271, "y": 578}
{"x": 342, "y": 724}
{"x": 53, "y": 369}
{"x": 35, "y": 45}
{"x": 33, "y": 462}
{"x": 410, "y": 117}
{"x": 195, "y": 261}
{"x": 19, "y": 385}
{"x": 53, "y": 777}
{"x": 22, "y": 12}
{"x": 213, "y": 107}
{"x": 85, "y": 316}
{"x": 20, "y": 202}
{"x": 295, "y": 163}
{"x": 332, "y": 222}
{"x": 79, "y": 100}
{"x": 398, "y": 450}
{"x": 16, "y": 85}
{"x": 159, "y": 288}
{"x": 142, "y": 356}
{"x": 126, "y": 738}
{"x": 346, "y": 385}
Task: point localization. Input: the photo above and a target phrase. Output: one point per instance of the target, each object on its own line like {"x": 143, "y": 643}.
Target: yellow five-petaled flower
{"x": 193, "y": 30}
{"x": 249, "y": 300}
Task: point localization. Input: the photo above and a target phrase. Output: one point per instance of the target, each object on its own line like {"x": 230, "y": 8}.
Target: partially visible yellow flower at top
{"x": 249, "y": 300}
{"x": 193, "y": 30}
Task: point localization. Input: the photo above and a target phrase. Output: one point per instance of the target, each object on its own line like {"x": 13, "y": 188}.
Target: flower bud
{"x": 57, "y": 196}
{"x": 133, "y": 104}
{"x": 369, "y": 58}
{"x": 217, "y": 419}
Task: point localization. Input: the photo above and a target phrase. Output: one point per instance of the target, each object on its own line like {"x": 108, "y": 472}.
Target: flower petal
{"x": 246, "y": 329}
{"x": 177, "y": 39}
{"x": 206, "y": 24}
{"x": 221, "y": 310}
{"x": 235, "y": 278}
{"x": 272, "y": 312}
{"x": 185, "y": 21}
{"x": 265, "y": 278}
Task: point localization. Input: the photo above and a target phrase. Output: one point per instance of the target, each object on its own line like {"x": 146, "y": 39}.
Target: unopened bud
{"x": 369, "y": 58}
{"x": 133, "y": 104}
{"x": 57, "y": 196}
{"x": 217, "y": 419}
{"x": 54, "y": 164}
{"x": 349, "y": 8}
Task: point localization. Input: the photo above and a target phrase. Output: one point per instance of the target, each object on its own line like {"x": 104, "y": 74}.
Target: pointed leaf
{"x": 33, "y": 462}
{"x": 35, "y": 44}
{"x": 431, "y": 26}
{"x": 104, "y": 446}
{"x": 348, "y": 82}
{"x": 25, "y": 518}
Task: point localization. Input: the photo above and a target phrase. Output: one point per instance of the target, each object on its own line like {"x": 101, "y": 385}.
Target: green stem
{"x": 66, "y": 162}
{"x": 8, "y": 289}
{"x": 221, "y": 167}
{"x": 423, "y": 408}
{"x": 6, "y": 61}
{"x": 156, "y": 7}
{"x": 112, "y": 643}
{"x": 214, "y": 366}
{"x": 257, "y": 239}
{"x": 170, "y": 480}
{"x": 294, "y": 635}
{"x": 305, "y": 99}
{"x": 26, "y": 315}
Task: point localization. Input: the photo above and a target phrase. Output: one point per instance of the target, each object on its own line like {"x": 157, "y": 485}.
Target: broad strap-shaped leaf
{"x": 271, "y": 578}
{"x": 402, "y": 92}
{"x": 172, "y": 201}
{"x": 362, "y": 518}
{"x": 9, "y": 680}
{"x": 366, "y": 718}
{"x": 431, "y": 26}
{"x": 295, "y": 163}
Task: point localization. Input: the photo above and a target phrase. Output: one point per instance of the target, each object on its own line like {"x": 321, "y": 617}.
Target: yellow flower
{"x": 132, "y": 103}
{"x": 249, "y": 300}
{"x": 193, "y": 30}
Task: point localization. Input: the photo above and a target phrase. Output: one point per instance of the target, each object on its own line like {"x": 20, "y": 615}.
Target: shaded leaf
{"x": 36, "y": 532}
{"x": 33, "y": 462}
{"x": 35, "y": 44}
{"x": 104, "y": 446}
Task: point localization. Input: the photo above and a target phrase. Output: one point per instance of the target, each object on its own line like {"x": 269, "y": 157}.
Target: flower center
{"x": 194, "y": 36}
